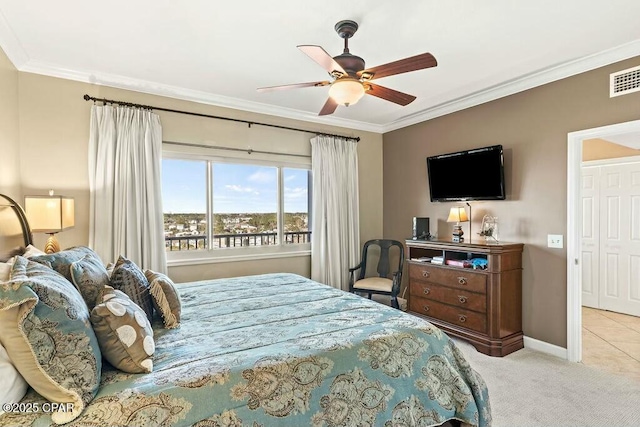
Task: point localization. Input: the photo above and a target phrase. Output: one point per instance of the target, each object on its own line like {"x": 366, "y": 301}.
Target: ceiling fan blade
{"x": 329, "y": 107}
{"x": 293, "y": 86}
{"x": 389, "y": 94}
{"x": 418, "y": 62}
{"x": 321, "y": 56}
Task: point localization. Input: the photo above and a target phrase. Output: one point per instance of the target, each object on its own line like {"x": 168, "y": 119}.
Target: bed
{"x": 282, "y": 350}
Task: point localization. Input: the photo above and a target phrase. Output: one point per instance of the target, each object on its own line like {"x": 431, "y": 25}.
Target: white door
{"x": 620, "y": 238}
{"x": 590, "y": 251}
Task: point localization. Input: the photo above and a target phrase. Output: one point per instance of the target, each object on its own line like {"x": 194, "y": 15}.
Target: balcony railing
{"x": 199, "y": 241}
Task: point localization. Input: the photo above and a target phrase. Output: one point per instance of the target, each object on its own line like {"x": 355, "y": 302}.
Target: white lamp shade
{"x": 49, "y": 214}
{"x": 458, "y": 214}
{"x": 346, "y": 91}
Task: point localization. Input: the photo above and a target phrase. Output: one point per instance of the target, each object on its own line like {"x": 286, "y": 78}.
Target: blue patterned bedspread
{"x": 282, "y": 350}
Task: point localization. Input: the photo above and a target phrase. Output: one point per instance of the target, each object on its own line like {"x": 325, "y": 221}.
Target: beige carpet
{"x": 533, "y": 389}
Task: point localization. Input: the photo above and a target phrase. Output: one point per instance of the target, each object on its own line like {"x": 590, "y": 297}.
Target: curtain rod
{"x": 149, "y": 107}
{"x": 248, "y": 150}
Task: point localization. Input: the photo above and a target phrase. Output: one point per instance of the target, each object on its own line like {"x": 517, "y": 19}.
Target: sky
{"x": 237, "y": 188}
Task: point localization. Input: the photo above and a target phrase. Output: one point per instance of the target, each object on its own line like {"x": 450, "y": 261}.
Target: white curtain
{"x": 125, "y": 155}
{"x": 335, "y": 242}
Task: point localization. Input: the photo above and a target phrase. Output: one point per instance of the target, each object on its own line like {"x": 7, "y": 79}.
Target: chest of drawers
{"x": 483, "y": 307}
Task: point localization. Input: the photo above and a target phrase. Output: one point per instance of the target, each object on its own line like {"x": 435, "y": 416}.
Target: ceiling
{"x": 630, "y": 139}
{"x": 221, "y": 52}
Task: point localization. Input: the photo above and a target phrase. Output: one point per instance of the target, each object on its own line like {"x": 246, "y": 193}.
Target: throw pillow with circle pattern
{"x": 123, "y": 331}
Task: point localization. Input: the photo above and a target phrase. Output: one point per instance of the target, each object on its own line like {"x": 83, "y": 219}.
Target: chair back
{"x": 384, "y": 267}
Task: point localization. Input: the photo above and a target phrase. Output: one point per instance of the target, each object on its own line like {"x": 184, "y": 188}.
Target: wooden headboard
{"x": 14, "y": 228}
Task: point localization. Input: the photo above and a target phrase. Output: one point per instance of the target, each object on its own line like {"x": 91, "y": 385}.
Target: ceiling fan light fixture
{"x": 346, "y": 91}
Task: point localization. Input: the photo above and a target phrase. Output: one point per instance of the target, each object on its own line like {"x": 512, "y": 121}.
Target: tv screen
{"x": 476, "y": 174}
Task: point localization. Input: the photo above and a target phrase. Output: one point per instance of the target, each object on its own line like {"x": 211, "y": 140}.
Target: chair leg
{"x": 394, "y": 303}
{"x": 369, "y": 296}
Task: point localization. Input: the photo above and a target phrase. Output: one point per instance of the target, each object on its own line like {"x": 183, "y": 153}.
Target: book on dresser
{"x": 459, "y": 263}
{"x": 482, "y": 305}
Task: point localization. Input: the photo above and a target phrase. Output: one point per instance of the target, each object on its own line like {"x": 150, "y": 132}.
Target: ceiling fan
{"x": 349, "y": 78}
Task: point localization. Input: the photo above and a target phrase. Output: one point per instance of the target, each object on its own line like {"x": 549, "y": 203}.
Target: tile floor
{"x": 611, "y": 341}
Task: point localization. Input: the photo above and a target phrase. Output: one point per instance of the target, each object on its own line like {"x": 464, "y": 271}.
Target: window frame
{"x": 216, "y": 255}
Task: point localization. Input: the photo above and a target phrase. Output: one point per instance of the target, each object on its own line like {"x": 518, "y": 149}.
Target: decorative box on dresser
{"x": 483, "y": 307}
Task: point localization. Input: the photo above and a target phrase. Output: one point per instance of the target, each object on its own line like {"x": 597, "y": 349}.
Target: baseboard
{"x": 545, "y": 347}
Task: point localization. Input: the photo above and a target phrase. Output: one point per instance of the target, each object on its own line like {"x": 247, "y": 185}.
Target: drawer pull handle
{"x": 426, "y": 308}
{"x": 462, "y": 280}
{"x": 425, "y": 274}
{"x": 462, "y": 318}
{"x": 462, "y": 299}
{"x": 427, "y": 291}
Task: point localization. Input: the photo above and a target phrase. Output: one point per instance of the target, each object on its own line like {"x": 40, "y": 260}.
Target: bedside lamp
{"x": 50, "y": 214}
{"x": 458, "y": 215}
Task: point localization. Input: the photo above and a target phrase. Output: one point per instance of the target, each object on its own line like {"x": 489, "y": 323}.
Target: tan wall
{"x": 532, "y": 126}
{"x": 599, "y": 149}
{"x": 9, "y": 136}
{"x": 54, "y": 121}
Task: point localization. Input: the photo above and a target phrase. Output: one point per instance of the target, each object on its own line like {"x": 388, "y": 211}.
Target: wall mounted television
{"x": 476, "y": 174}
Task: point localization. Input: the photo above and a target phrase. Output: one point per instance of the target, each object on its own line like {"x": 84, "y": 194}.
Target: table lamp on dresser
{"x": 458, "y": 214}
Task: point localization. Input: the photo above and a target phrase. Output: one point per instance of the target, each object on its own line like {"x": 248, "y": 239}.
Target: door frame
{"x": 574, "y": 222}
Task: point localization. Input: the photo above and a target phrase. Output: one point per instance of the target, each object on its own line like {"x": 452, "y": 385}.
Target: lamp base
{"x": 457, "y": 234}
{"x": 52, "y": 244}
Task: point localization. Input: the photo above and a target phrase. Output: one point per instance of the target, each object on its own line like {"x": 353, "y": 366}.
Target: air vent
{"x": 624, "y": 82}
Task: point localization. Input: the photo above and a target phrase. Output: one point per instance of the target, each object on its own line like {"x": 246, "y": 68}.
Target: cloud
{"x": 295, "y": 193}
{"x": 240, "y": 188}
{"x": 262, "y": 176}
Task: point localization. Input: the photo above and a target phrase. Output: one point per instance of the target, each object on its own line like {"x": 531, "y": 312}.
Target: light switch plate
{"x": 554, "y": 241}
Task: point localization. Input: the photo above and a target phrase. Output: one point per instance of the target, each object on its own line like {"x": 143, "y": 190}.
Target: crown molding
{"x": 529, "y": 81}
{"x": 136, "y": 85}
{"x": 10, "y": 44}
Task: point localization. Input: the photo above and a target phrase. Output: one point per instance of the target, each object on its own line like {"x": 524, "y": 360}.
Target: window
{"x": 184, "y": 197}
{"x": 227, "y": 207}
{"x": 245, "y": 205}
{"x": 296, "y": 205}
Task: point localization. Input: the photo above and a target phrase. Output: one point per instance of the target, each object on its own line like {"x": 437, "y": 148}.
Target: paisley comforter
{"x": 282, "y": 350}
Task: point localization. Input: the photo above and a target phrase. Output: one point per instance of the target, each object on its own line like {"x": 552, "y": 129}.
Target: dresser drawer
{"x": 456, "y": 297}
{"x": 457, "y": 278}
{"x": 454, "y": 315}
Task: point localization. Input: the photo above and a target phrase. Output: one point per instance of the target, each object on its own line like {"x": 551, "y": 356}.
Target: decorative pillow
{"x": 61, "y": 261}
{"x": 48, "y": 336}
{"x": 124, "y": 332}
{"x": 31, "y": 251}
{"x": 5, "y": 270}
{"x": 89, "y": 276}
{"x": 110, "y": 268}
{"x": 12, "y": 386}
{"x": 128, "y": 278}
{"x": 165, "y": 298}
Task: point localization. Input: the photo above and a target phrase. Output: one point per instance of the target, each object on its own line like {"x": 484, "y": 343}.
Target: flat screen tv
{"x": 476, "y": 174}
